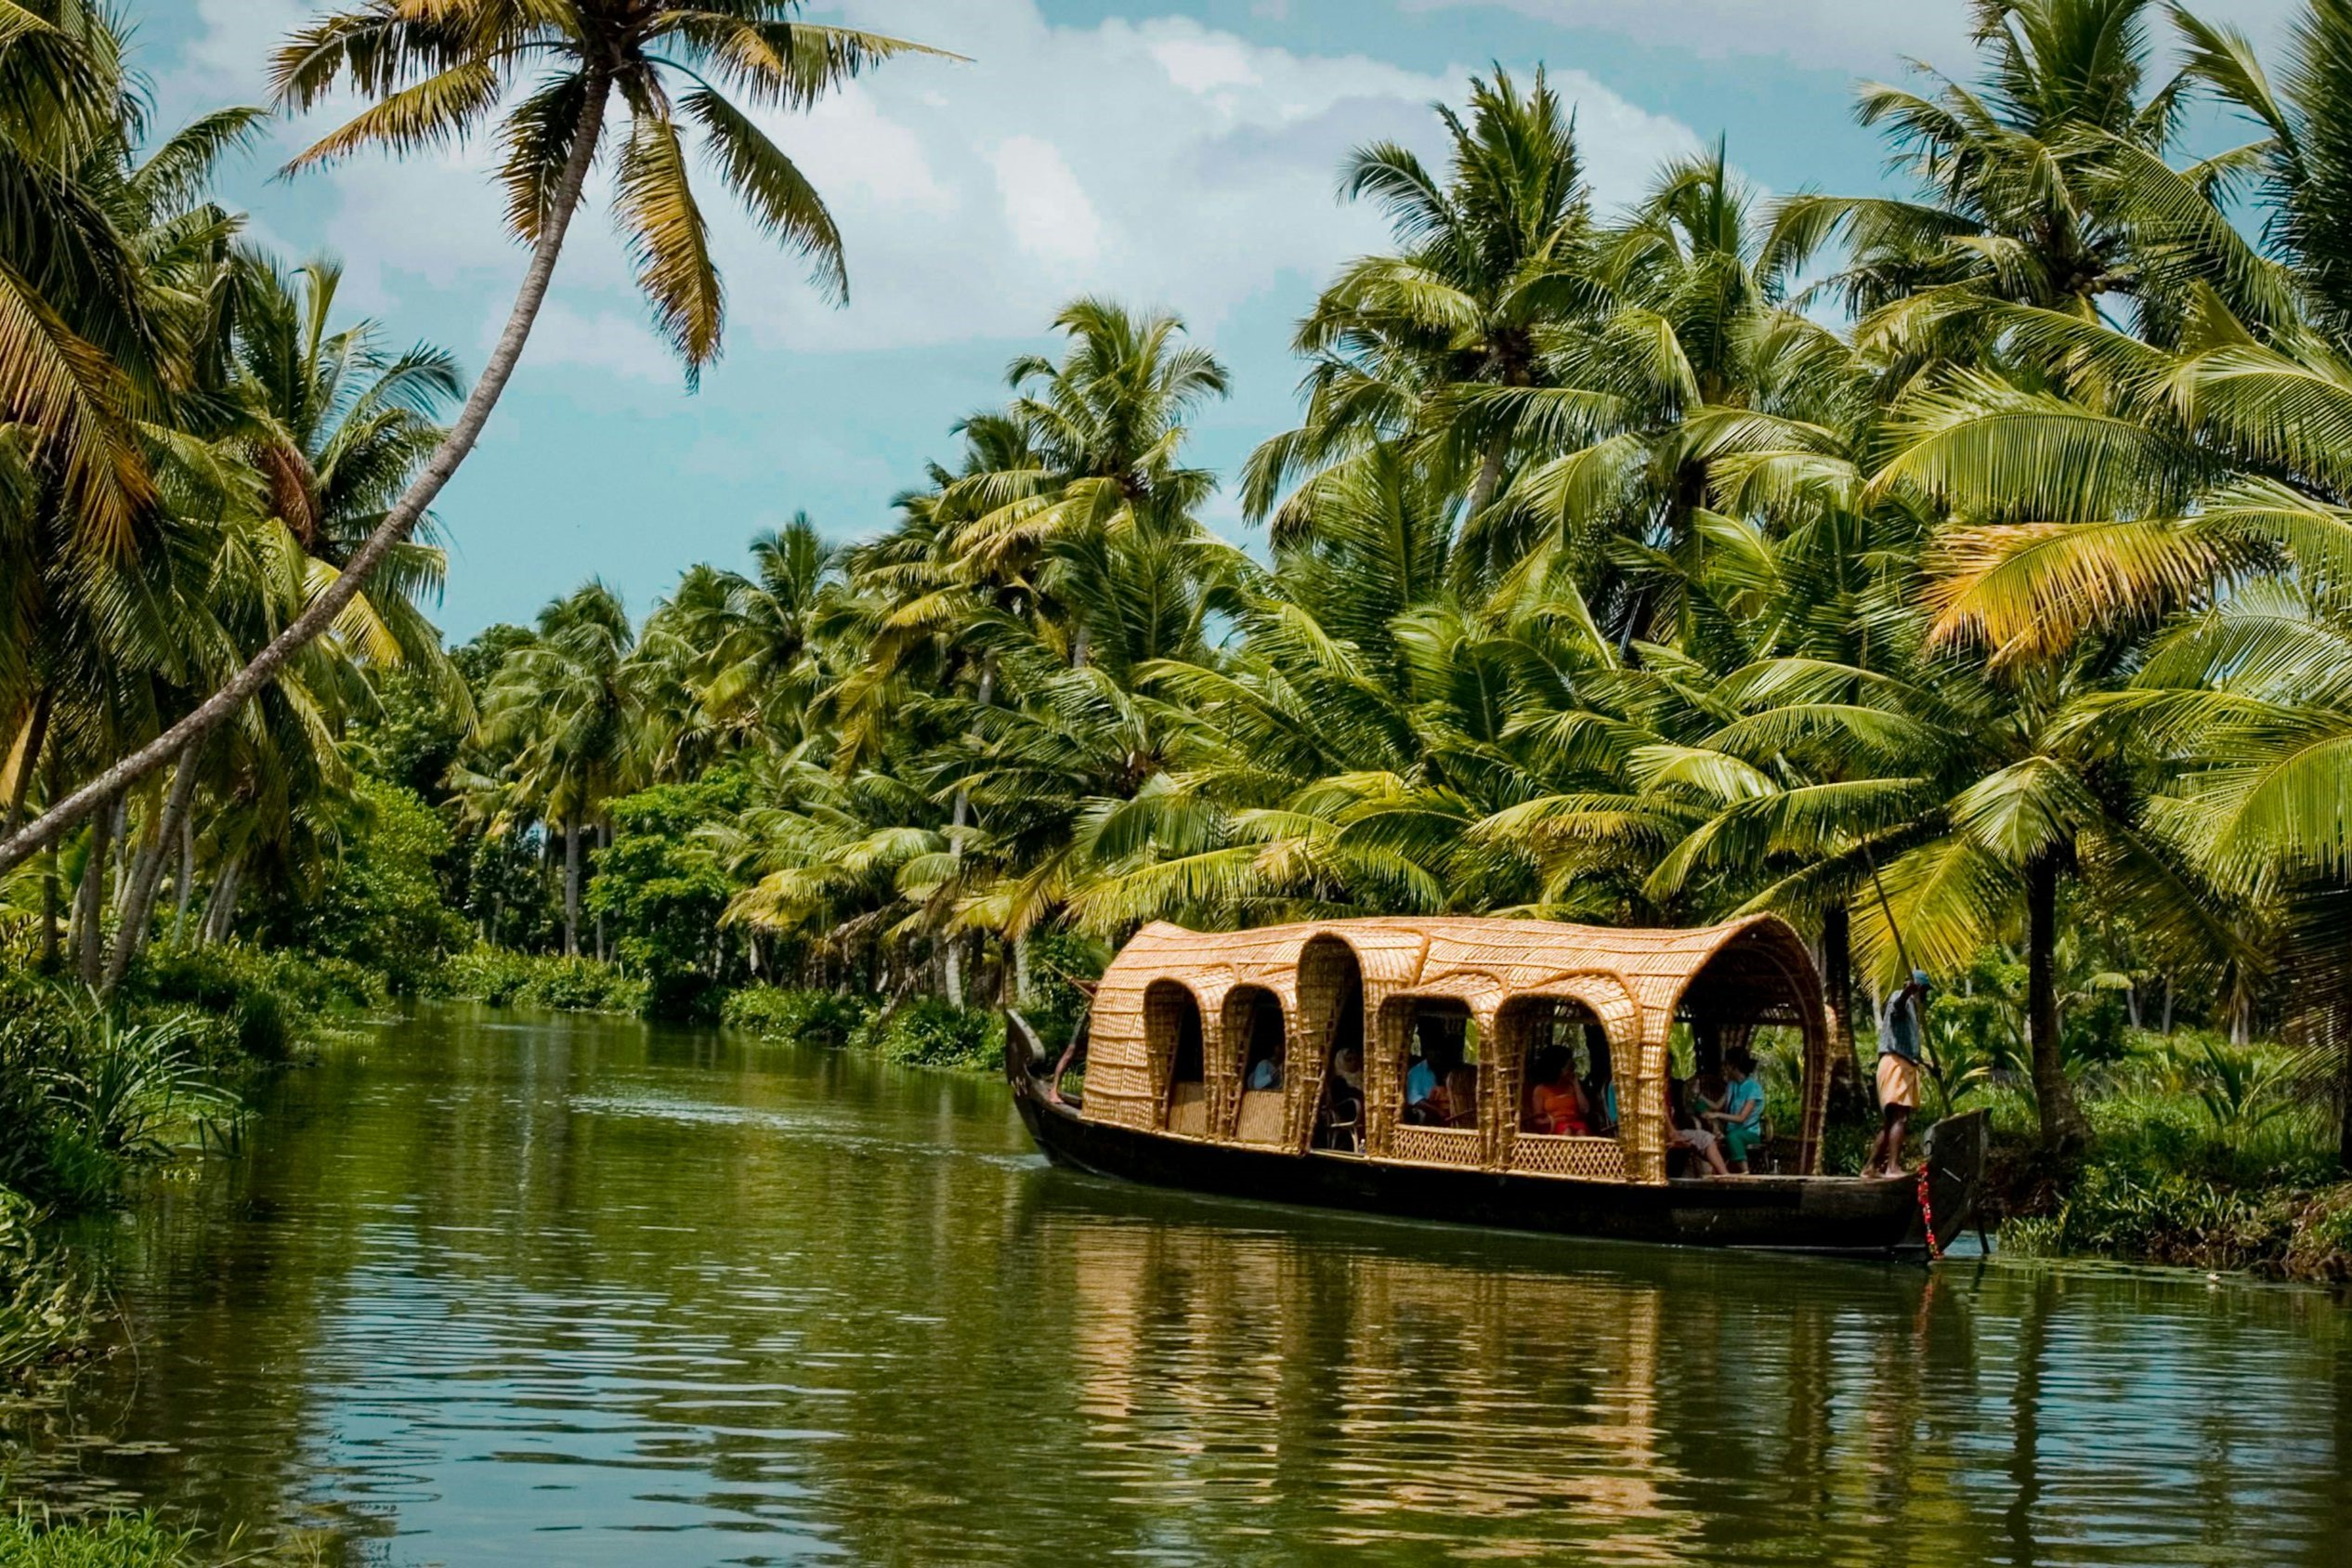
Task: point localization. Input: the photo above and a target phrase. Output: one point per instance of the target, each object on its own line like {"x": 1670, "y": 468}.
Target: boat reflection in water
{"x": 1508, "y": 1395}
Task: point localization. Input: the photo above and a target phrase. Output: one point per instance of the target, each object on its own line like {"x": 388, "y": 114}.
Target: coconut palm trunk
{"x": 1490, "y": 477}
{"x": 186, "y": 880}
{"x": 1837, "y": 980}
{"x": 89, "y": 903}
{"x": 36, "y": 733}
{"x": 49, "y": 915}
{"x": 217, "y": 708}
{"x": 140, "y": 901}
{"x": 2062, "y": 1125}
{"x": 220, "y": 909}
{"x": 571, "y": 885}
{"x": 959, "y": 815}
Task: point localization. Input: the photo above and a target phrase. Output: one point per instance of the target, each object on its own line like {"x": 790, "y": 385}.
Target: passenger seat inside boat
{"x": 1260, "y": 1118}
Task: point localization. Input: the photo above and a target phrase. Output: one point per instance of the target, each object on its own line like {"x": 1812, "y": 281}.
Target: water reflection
{"x": 583, "y": 1292}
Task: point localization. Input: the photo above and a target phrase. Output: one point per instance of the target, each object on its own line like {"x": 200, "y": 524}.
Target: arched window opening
{"x": 1260, "y": 1048}
{"x": 1328, "y": 1093}
{"x": 1566, "y": 1075}
{"x": 1441, "y": 1064}
{"x": 1430, "y": 1089}
{"x": 1757, "y": 1035}
{"x": 1172, "y": 1019}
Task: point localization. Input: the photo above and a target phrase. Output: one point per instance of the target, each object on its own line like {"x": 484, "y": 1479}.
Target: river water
{"x": 499, "y": 1289}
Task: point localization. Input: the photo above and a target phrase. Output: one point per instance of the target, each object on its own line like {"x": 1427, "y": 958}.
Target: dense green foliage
{"x": 378, "y": 902}
{"x": 91, "y": 1087}
{"x": 503, "y": 977}
{"x": 1991, "y": 629}
{"x": 1963, "y": 573}
{"x": 827, "y": 1018}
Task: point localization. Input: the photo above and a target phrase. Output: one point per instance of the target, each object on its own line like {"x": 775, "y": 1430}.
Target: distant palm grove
{"x": 1965, "y": 573}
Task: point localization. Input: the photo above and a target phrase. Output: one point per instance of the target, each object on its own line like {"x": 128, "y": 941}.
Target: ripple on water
{"x": 589, "y": 1293}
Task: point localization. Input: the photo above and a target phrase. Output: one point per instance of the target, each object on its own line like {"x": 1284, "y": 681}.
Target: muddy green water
{"x": 494, "y": 1289}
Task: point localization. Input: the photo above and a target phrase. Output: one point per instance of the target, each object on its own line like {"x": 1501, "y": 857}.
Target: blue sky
{"x": 1178, "y": 154}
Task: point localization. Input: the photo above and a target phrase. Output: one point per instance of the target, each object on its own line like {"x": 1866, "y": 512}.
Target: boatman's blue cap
{"x": 1919, "y": 978}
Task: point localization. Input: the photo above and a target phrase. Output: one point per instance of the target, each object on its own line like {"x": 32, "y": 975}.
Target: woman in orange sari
{"x": 1557, "y": 1104}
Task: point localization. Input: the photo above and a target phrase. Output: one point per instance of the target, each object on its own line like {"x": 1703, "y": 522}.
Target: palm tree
{"x": 2023, "y": 184}
{"x": 438, "y": 72}
{"x": 745, "y": 651}
{"x": 1494, "y": 261}
{"x": 1097, "y": 436}
{"x": 112, "y": 261}
{"x": 564, "y": 710}
{"x": 87, "y": 340}
{"x": 2246, "y": 711}
{"x": 1696, "y": 366}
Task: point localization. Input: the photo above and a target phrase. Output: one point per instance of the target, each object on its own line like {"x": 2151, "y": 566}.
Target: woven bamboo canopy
{"x": 1171, "y": 993}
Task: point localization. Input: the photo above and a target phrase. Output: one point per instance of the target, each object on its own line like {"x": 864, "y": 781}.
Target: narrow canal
{"x": 495, "y": 1288}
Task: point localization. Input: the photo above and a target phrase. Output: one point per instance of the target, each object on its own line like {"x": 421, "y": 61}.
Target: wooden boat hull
{"x": 1844, "y": 1215}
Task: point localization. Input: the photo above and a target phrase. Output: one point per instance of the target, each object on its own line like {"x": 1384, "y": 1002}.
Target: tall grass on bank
{"x": 89, "y": 1090}
{"x": 132, "y": 1540}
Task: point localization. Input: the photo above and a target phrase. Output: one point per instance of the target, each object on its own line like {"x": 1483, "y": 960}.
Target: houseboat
{"x": 1294, "y": 1063}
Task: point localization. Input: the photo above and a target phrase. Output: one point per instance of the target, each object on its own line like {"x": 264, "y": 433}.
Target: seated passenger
{"x": 1558, "y": 1104}
{"x": 1461, "y": 1096}
{"x": 1425, "y": 1086}
{"x": 1706, "y": 1097}
{"x": 1347, "y": 1067}
{"x": 1742, "y": 1118}
{"x": 1684, "y": 1131}
{"x": 1266, "y": 1074}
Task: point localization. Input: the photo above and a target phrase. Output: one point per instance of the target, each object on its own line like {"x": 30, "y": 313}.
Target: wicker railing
{"x": 1436, "y": 1146}
{"x": 1545, "y": 1154}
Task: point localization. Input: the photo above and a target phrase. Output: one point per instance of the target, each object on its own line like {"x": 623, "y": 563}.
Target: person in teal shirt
{"x": 1742, "y": 1112}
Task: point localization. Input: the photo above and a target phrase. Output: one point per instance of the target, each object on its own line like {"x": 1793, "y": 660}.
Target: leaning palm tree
{"x": 438, "y": 70}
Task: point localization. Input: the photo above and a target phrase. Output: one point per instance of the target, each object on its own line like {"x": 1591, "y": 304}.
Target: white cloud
{"x": 1161, "y": 161}
{"x": 1046, "y": 206}
{"x": 1864, "y": 38}
{"x": 1200, "y": 63}
{"x": 616, "y": 344}
{"x": 228, "y": 58}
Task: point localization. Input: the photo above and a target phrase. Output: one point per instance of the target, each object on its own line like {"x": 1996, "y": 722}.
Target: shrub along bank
{"x": 93, "y": 1089}
{"x": 2202, "y": 1154}
{"x": 505, "y": 978}
{"x": 919, "y": 1031}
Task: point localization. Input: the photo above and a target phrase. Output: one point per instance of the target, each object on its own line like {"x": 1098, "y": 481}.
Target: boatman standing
{"x": 1902, "y": 1025}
